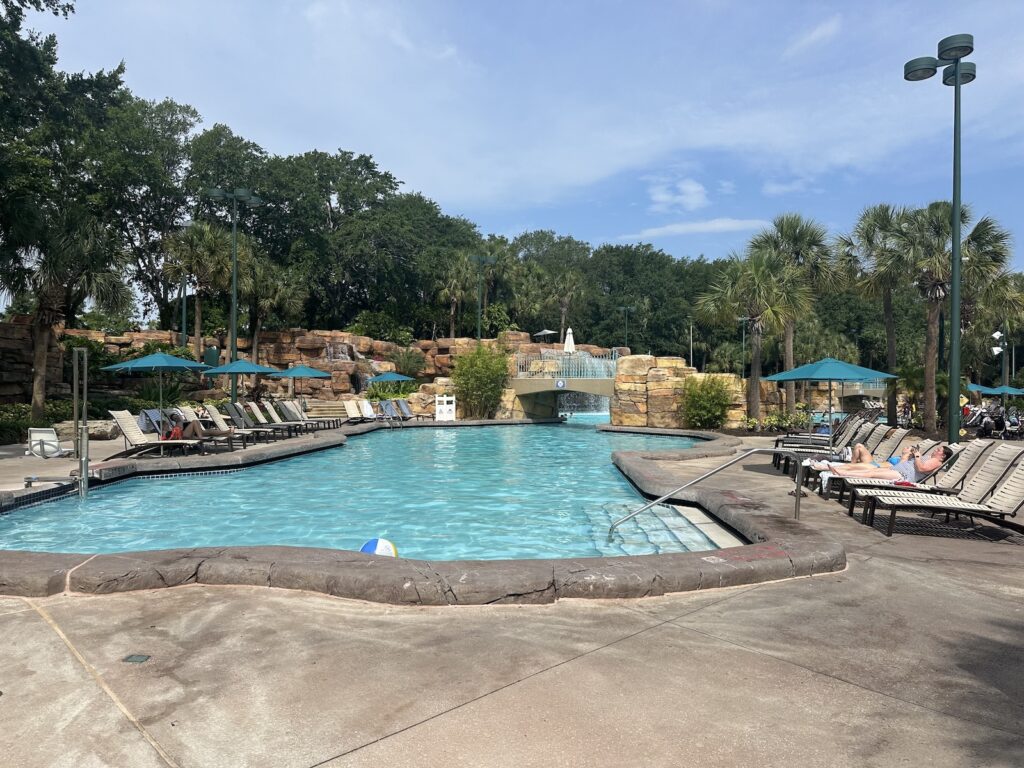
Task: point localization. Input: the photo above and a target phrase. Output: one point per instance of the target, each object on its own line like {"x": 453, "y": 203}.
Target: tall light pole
{"x": 951, "y": 50}
{"x": 481, "y": 261}
{"x": 625, "y": 311}
{"x": 743, "y": 347}
{"x": 236, "y": 196}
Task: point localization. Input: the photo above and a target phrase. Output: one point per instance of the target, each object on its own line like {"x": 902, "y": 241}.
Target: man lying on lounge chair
{"x": 911, "y": 467}
{"x": 193, "y": 429}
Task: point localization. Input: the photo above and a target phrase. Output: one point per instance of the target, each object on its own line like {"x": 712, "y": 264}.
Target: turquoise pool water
{"x": 444, "y": 494}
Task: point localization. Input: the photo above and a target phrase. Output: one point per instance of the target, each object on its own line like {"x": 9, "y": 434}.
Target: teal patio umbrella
{"x": 1006, "y": 390}
{"x": 829, "y": 369}
{"x": 156, "y": 363}
{"x": 299, "y": 372}
{"x": 981, "y": 389}
{"x": 389, "y": 376}
{"x": 239, "y": 368}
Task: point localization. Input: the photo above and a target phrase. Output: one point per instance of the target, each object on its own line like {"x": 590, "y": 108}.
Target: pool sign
{"x": 560, "y": 384}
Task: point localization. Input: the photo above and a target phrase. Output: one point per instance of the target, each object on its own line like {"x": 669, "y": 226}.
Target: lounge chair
{"x": 218, "y": 421}
{"x": 968, "y": 501}
{"x": 294, "y": 407}
{"x": 138, "y": 442}
{"x": 244, "y": 422}
{"x": 44, "y": 443}
{"x": 949, "y": 478}
{"x": 190, "y": 415}
{"x": 406, "y": 411}
{"x": 882, "y": 452}
{"x": 262, "y": 421}
{"x": 387, "y": 407}
{"x": 354, "y": 412}
{"x": 368, "y": 413}
{"x": 785, "y": 452}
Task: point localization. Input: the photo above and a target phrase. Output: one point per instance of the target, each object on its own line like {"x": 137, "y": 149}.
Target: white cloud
{"x": 726, "y": 187}
{"x": 778, "y": 188}
{"x": 707, "y": 226}
{"x": 686, "y": 194}
{"x": 816, "y": 36}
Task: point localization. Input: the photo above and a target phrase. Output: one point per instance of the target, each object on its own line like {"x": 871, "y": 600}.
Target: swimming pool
{"x": 437, "y": 493}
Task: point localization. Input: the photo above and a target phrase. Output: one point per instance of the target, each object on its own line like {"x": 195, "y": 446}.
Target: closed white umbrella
{"x": 570, "y": 344}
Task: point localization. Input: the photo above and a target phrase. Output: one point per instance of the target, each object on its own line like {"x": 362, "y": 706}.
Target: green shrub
{"x": 381, "y": 326}
{"x": 408, "y": 362}
{"x": 479, "y": 377}
{"x": 388, "y": 390}
{"x": 16, "y": 418}
{"x": 706, "y": 403}
{"x": 98, "y": 357}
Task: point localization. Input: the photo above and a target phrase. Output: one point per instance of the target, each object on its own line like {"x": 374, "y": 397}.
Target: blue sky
{"x": 688, "y": 125}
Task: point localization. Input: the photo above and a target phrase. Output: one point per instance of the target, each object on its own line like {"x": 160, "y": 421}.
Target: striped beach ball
{"x": 379, "y": 547}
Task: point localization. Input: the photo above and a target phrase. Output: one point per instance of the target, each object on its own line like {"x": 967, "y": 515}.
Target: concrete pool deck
{"x": 911, "y": 656}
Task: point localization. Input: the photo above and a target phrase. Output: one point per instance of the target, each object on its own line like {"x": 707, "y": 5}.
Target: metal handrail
{"x": 798, "y": 492}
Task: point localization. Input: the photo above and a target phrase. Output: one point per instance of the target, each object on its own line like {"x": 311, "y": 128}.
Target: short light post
{"x": 625, "y": 312}
{"x": 184, "y": 314}
{"x": 951, "y": 50}
{"x": 245, "y": 197}
{"x": 481, "y": 261}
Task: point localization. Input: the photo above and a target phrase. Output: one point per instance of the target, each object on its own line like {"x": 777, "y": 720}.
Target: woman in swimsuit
{"x": 911, "y": 467}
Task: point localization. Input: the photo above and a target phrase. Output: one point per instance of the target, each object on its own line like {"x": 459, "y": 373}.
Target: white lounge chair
{"x": 139, "y": 442}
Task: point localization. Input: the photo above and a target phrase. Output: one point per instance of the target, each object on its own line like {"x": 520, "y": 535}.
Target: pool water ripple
{"x": 443, "y": 494}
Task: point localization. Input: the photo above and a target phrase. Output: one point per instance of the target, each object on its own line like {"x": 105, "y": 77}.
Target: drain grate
{"x": 136, "y": 658}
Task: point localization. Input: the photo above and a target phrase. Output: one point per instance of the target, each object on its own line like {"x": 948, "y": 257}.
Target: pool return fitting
{"x": 797, "y": 491}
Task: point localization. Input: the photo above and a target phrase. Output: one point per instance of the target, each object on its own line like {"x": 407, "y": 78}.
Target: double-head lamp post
{"x": 951, "y": 51}
{"x": 236, "y": 196}
{"x": 1000, "y": 338}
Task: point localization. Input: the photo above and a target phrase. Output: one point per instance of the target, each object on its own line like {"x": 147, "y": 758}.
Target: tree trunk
{"x": 931, "y": 361}
{"x": 451, "y": 321}
{"x": 890, "y": 353}
{"x": 754, "y": 383}
{"x": 198, "y": 326}
{"x": 788, "y": 360}
{"x": 41, "y": 333}
{"x": 561, "y": 326}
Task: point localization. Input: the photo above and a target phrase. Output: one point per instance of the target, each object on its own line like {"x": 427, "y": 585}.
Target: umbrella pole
{"x": 831, "y": 435}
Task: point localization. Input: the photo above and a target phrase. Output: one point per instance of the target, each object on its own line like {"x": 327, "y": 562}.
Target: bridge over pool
{"x": 556, "y": 372}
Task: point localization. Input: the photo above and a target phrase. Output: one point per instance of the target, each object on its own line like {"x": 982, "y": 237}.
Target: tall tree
{"x": 804, "y": 244}
{"x": 201, "y": 256}
{"x": 456, "y": 286}
{"x": 872, "y": 252}
{"x": 767, "y": 289}
{"x": 270, "y": 290}
{"x": 927, "y": 239}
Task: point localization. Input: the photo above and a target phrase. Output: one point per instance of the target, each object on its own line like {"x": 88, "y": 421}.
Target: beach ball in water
{"x": 379, "y": 547}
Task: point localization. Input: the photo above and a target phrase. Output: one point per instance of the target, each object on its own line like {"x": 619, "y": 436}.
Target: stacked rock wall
{"x": 649, "y": 393}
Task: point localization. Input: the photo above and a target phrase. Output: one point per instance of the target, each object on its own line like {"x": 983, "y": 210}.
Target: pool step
{"x": 684, "y": 531}
{"x": 646, "y": 534}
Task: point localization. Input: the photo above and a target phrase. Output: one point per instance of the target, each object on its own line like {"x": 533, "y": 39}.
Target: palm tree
{"x": 201, "y": 254}
{"x": 455, "y": 286}
{"x": 567, "y": 286}
{"x": 804, "y": 244}
{"x": 927, "y": 239}
{"x": 872, "y": 251}
{"x": 269, "y": 289}
{"x": 768, "y": 290}
{"x": 73, "y": 259}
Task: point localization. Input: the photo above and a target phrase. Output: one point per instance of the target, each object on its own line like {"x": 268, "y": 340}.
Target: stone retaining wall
{"x": 649, "y": 393}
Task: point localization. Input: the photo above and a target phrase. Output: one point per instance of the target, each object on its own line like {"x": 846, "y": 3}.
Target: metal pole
{"x": 234, "y": 294}
{"x": 83, "y": 463}
{"x": 184, "y": 333}
{"x": 954, "y": 312}
{"x": 625, "y": 313}
{"x": 743, "y": 353}
{"x": 74, "y": 397}
{"x": 1006, "y": 364}
{"x": 691, "y": 346}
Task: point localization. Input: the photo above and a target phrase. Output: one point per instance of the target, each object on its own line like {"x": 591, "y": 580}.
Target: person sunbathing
{"x": 193, "y": 430}
{"x": 912, "y": 466}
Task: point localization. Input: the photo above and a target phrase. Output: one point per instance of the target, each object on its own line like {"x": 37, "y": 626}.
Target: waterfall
{"x": 581, "y": 402}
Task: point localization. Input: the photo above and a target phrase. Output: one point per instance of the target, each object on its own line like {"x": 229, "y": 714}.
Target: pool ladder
{"x": 797, "y": 493}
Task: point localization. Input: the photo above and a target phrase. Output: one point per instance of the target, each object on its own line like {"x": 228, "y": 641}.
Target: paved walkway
{"x": 912, "y": 656}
